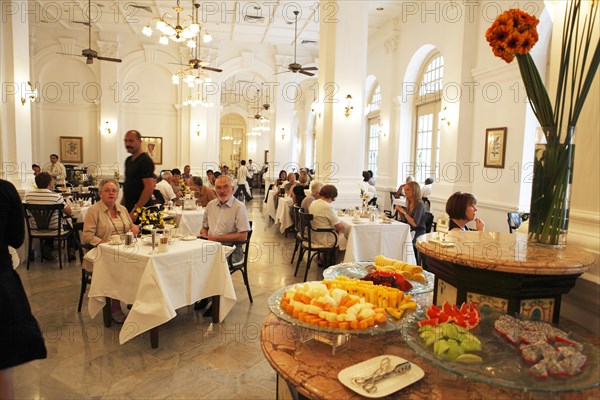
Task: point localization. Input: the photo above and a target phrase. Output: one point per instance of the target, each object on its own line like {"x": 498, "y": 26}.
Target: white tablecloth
{"x": 366, "y": 240}
{"x": 270, "y": 208}
{"x": 157, "y": 285}
{"x": 283, "y": 215}
{"x": 79, "y": 213}
{"x": 189, "y": 222}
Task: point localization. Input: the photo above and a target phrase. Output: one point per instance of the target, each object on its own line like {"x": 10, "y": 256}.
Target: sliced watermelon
{"x": 464, "y": 309}
{"x": 431, "y": 322}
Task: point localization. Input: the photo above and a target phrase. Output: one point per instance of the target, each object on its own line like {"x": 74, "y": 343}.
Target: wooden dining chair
{"x": 297, "y": 228}
{"x": 313, "y": 249}
{"x": 242, "y": 265}
{"x": 91, "y": 197}
{"x": 86, "y": 276}
{"x": 40, "y": 220}
{"x": 514, "y": 221}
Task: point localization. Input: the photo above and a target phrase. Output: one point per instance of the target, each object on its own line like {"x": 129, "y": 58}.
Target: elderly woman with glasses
{"x": 104, "y": 219}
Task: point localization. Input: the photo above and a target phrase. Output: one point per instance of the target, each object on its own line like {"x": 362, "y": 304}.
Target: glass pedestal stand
{"x": 337, "y": 341}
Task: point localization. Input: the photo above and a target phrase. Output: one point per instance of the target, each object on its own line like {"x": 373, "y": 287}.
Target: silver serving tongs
{"x": 369, "y": 383}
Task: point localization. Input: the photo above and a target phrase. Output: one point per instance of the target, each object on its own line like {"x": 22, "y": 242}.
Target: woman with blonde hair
{"x": 414, "y": 214}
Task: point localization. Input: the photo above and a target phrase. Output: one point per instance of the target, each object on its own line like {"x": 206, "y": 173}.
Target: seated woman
{"x": 203, "y": 194}
{"x": 298, "y": 191}
{"x": 400, "y": 191}
{"x": 291, "y": 182}
{"x": 461, "y": 208}
{"x": 104, "y": 219}
{"x": 414, "y": 214}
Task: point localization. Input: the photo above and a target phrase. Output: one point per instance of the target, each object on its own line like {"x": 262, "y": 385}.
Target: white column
{"x": 342, "y": 71}
{"x": 15, "y": 117}
{"x": 285, "y": 97}
{"x": 111, "y": 150}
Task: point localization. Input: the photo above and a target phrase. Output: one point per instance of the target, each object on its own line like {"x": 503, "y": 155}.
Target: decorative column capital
{"x": 108, "y": 49}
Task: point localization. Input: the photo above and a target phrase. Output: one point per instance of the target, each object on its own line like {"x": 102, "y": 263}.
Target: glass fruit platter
{"x": 359, "y": 270}
{"x": 502, "y": 363}
{"x": 390, "y": 325}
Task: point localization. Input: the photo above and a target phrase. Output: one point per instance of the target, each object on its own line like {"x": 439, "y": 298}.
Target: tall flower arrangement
{"x": 512, "y": 35}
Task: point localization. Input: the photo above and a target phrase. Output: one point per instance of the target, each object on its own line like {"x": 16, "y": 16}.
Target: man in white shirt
{"x": 242, "y": 174}
{"x": 165, "y": 188}
{"x": 57, "y": 171}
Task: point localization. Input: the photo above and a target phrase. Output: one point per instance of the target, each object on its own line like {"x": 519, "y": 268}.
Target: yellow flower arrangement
{"x": 154, "y": 216}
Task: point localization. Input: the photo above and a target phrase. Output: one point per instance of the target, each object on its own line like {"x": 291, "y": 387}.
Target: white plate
{"x": 188, "y": 237}
{"x": 386, "y": 386}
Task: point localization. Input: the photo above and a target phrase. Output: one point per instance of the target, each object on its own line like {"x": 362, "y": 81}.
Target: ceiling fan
{"x": 259, "y": 110}
{"x": 89, "y": 53}
{"x": 295, "y": 67}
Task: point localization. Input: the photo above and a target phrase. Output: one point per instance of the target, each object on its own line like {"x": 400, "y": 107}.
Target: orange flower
{"x": 528, "y": 39}
{"x": 513, "y": 32}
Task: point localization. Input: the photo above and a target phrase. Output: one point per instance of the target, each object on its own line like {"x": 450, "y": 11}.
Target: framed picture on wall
{"x": 71, "y": 149}
{"x": 153, "y": 146}
{"x": 495, "y": 148}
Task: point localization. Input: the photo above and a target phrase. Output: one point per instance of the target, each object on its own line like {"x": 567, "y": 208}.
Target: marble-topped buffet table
{"x": 311, "y": 371}
{"x": 502, "y": 271}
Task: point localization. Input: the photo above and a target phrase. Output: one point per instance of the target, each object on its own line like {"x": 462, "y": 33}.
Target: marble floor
{"x": 194, "y": 360}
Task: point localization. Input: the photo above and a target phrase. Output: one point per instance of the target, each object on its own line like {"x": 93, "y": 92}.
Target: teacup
{"x": 115, "y": 239}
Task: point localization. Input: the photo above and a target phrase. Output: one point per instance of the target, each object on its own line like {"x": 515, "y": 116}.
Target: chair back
{"x": 91, "y": 197}
{"x": 297, "y": 210}
{"x": 392, "y": 198}
{"x": 427, "y": 203}
{"x": 428, "y": 221}
{"x": 43, "y": 218}
{"x": 514, "y": 221}
{"x": 246, "y": 245}
{"x": 306, "y": 229}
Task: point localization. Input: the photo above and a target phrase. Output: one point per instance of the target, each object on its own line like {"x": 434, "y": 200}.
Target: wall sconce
{"x": 198, "y": 130}
{"x": 444, "y": 116}
{"x": 282, "y": 133}
{"x": 30, "y": 94}
{"x": 348, "y": 106}
{"x": 107, "y": 128}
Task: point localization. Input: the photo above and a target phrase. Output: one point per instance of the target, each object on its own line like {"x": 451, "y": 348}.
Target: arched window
{"x": 373, "y": 121}
{"x": 427, "y": 132}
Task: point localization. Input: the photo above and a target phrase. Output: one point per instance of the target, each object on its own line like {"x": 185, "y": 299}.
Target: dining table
{"x": 270, "y": 210}
{"x": 189, "y": 222}
{"x": 283, "y": 215}
{"x": 364, "y": 240}
{"x": 157, "y": 284}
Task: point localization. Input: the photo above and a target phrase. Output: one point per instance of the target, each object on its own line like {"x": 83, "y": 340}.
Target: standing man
{"x": 242, "y": 174}
{"x": 139, "y": 175}
{"x": 57, "y": 171}
{"x": 225, "y": 221}
{"x": 251, "y": 171}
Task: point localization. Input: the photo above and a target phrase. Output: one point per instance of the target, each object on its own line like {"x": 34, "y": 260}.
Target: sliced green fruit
{"x": 469, "y": 345}
{"x": 469, "y": 359}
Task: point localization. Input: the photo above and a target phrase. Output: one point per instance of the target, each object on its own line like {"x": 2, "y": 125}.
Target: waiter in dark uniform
{"x": 139, "y": 175}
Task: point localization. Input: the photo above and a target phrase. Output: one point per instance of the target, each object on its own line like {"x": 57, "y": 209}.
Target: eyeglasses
{"x": 110, "y": 191}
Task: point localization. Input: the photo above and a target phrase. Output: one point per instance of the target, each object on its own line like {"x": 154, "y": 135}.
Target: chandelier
{"x": 191, "y": 76}
{"x": 176, "y": 28}
{"x": 197, "y": 101}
